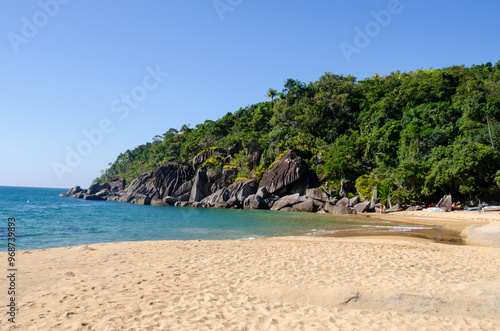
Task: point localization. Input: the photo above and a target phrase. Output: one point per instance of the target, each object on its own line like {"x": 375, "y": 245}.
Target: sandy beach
{"x": 288, "y": 283}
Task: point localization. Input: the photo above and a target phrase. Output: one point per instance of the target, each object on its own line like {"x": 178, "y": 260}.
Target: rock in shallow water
{"x": 287, "y": 200}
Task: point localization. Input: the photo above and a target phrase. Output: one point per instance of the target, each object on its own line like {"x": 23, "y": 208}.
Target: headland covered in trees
{"x": 416, "y": 136}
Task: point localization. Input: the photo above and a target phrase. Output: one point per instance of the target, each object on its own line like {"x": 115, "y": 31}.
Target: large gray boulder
{"x": 201, "y": 186}
{"x": 307, "y": 206}
{"x": 125, "y": 197}
{"x": 338, "y": 209}
{"x": 253, "y": 201}
{"x": 234, "y": 203}
{"x": 184, "y": 191}
{"x": 362, "y": 207}
{"x": 93, "y": 197}
{"x": 445, "y": 203}
{"x": 343, "y": 202}
{"x": 262, "y": 192}
{"x": 242, "y": 189}
{"x": 103, "y": 193}
{"x": 353, "y": 202}
{"x": 141, "y": 199}
{"x": 94, "y": 188}
{"x": 286, "y": 201}
{"x": 78, "y": 195}
{"x": 287, "y": 171}
{"x": 374, "y": 199}
{"x": 158, "y": 202}
{"x": 221, "y": 195}
{"x": 74, "y": 190}
{"x": 117, "y": 184}
{"x": 317, "y": 194}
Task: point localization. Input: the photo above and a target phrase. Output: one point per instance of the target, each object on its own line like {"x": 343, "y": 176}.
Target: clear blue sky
{"x": 65, "y": 66}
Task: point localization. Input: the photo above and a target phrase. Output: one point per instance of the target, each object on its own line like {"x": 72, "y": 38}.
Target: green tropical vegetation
{"x": 416, "y": 135}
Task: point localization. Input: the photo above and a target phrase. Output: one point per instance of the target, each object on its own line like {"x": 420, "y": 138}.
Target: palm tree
{"x": 271, "y": 93}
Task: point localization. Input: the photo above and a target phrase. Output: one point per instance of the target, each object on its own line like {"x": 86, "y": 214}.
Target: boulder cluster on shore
{"x": 284, "y": 186}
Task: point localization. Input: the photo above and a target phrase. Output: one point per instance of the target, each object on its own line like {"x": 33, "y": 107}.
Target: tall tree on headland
{"x": 271, "y": 93}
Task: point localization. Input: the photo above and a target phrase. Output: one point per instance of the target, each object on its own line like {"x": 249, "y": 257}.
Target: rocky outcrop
{"x": 227, "y": 173}
{"x": 203, "y": 156}
{"x": 184, "y": 191}
{"x": 235, "y": 148}
{"x": 343, "y": 202}
{"x": 221, "y": 195}
{"x": 445, "y": 203}
{"x": 338, "y": 209}
{"x": 201, "y": 186}
{"x": 353, "y": 202}
{"x": 143, "y": 184}
{"x": 103, "y": 193}
{"x": 74, "y": 190}
{"x": 287, "y": 171}
{"x": 316, "y": 194}
{"x": 346, "y": 187}
{"x": 169, "y": 177}
{"x": 94, "y": 188}
{"x": 286, "y": 201}
{"x": 262, "y": 192}
{"x": 158, "y": 202}
{"x": 117, "y": 184}
{"x": 93, "y": 197}
{"x": 362, "y": 207}
{"x": 254, "y": 201}
{"x": 374, "y": 199}
{"x": 217, "y": 186}
{"x": 306, "y": 206}
{"x": 254, "y": 159}
{"x": 167, "y": 201}
{"x": 234, "y": 203}
{"x": 165, "y": 180}
{"x": 242, "y": 189}
{"x": 141, "y": 199}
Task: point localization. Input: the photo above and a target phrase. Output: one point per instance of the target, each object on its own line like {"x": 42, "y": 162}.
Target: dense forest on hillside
{"x": 416, "y": 135}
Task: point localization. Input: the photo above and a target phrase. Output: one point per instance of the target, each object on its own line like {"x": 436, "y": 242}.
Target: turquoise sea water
{"x": 44, "y": 220}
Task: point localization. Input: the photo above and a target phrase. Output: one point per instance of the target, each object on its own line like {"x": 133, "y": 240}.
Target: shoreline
{"x": 454, "y": 220}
